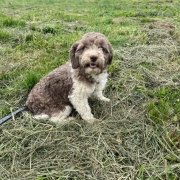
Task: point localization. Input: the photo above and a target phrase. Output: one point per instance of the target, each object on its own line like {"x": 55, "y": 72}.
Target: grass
{"x": 137, "y": 135}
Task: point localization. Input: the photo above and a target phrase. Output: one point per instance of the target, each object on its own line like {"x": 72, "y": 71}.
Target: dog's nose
{"x": 93, "y": 58}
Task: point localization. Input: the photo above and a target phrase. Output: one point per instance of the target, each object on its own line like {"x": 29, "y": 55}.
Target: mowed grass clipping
{"x": 137, "y": 134}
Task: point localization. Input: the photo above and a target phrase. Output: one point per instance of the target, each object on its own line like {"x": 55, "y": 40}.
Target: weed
{"x": 141, "y": 171}
{"x": 10, "y": 22}
{"x": 29, "y": 37}
{"x": 49, "y": 29}
{"x": 166, "y": 105}
{"x": 159, "y": 111}
{"x": 4, "y": 36}
{"x": 33, "y": 27}
{"x": 30, "y": 80}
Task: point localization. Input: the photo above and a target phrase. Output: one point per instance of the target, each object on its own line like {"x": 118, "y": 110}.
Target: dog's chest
{"x": 82, "y": 88}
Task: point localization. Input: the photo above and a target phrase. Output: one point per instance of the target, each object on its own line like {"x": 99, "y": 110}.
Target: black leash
{"x": 10, "y": 115}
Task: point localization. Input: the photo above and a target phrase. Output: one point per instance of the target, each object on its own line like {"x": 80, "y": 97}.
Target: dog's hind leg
{"x": 41, "y": 116}
{"x": 62, "y": 116}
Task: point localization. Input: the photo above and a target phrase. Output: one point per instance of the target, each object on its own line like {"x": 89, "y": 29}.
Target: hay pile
{"x": 122, "y": 144}
{"x": 158, "y": 61}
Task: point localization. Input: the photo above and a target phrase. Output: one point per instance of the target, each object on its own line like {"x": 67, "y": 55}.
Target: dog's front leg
{"x": 98, "y": 90}
{"x": 82, "y": 107}
{"x": 98, "y": 94}
{"x": 79, "y": 100}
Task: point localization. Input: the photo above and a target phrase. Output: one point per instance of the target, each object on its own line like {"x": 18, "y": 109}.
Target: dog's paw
{"x": 105, "y": 99}
{"x": 41, "y": 116}
{"x": 91, "y": 121}
{"x": 62, "y": 120}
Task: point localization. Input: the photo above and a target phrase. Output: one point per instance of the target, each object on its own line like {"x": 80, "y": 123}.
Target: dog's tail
{"x": 10, "y": 115}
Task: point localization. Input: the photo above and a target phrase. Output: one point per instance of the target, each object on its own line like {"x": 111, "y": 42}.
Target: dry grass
{"x": 115, "y": 148}
{"x": 127, "y": 142}
{"x": 123, "y": 144}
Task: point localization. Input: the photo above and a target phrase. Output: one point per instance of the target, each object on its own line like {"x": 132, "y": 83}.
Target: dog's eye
{"x": 104, "y": 50}
{"x": 81, "y": 48}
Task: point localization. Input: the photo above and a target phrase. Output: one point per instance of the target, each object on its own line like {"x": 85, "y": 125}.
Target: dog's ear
{"x": 110, "y": 56}
{"x": 74, "y": 60}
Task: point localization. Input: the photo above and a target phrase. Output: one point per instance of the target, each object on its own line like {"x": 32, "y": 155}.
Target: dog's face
{"x": 92, "y": 53}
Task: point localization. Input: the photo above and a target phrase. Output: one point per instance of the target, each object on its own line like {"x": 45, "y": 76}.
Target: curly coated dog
{"x": 70, "y": 85}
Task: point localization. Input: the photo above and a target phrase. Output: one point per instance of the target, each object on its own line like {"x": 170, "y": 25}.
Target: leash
{"x": 10, "y": 115}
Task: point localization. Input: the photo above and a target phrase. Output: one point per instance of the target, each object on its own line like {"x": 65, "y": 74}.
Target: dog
{"x": 70, "y": 85}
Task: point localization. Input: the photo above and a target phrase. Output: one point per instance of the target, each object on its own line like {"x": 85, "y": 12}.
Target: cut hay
{"x": 123, "y": 144}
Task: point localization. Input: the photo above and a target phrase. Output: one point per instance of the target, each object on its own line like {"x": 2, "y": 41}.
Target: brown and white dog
{"x": 70, "y": 85}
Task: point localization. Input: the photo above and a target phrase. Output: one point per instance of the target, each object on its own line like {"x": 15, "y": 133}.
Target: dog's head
{"x": 92, "y": 53}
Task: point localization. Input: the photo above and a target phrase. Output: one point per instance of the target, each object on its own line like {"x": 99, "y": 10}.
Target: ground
{"x": 137, "y": 134}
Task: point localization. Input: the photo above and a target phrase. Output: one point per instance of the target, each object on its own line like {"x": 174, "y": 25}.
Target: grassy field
{"x": 137, "y": 135}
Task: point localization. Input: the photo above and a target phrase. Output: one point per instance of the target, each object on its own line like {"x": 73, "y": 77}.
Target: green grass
{"x": 167, "y": 104}
{"x": 4, "y": 36}
{"x": 10, "y": 22}
{"x": 137, "y": 135}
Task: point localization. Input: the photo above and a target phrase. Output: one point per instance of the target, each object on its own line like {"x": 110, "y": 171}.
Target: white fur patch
{"x": 86, "y": 58}
{"x": 101, "y": 80}
{"x": 62, "y": 116}
{"x": 82, "y": 91}
{"x": 57, "y": 118}
{"x": 41, "y": 116}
